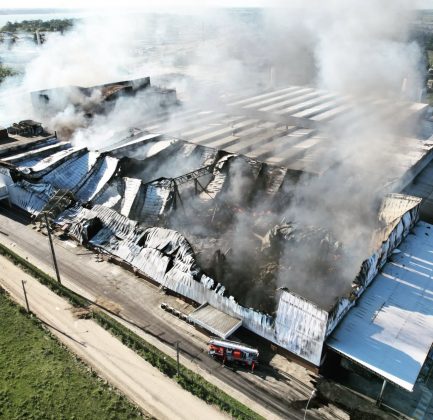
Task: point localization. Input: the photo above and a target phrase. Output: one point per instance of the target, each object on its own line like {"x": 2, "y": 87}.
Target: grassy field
{"x": 40, "y": 379}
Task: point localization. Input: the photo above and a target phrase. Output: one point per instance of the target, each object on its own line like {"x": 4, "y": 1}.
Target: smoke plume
{"x": 359, "y": 49}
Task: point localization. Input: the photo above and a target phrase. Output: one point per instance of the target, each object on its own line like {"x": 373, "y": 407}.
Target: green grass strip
{"x": 41, "y": 379}
{"x": 188, "y": 379}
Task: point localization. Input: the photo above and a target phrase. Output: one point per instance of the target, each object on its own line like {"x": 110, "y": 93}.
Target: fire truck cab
{"x": 233, "y": 352}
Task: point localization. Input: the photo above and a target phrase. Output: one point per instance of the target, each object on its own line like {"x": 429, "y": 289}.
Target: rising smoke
{"x": 359, "y": 49}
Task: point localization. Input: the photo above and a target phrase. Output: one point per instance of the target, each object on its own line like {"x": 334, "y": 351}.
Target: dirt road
{"x": 123, "y": 368}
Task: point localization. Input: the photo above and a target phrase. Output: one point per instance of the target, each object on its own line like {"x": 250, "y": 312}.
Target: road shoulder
{"x": 120, "y": 366}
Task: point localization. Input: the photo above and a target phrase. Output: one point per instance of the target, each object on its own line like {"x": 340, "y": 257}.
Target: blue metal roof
{"x": 390, "y": 330}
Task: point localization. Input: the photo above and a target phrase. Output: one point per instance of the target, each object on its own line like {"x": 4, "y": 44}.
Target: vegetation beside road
{"x": 40, "y": 379}
{"x": 188, "y": 379}
{"x": 53, "y": 25}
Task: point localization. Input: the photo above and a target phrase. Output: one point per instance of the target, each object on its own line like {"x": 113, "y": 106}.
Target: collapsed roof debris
{"x": 30, "y": 197}
{"x": 202, "y": 216}
{"x": 97, "y": 99}
{"x": 22, "y": 136}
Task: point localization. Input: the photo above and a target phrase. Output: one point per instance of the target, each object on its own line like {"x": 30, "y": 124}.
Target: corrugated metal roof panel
{"x": 52, "y": 161}
{"x": 30, "y": 197}
{"x": 104, "y": 171}
{"x": 151, "y": 202}
{"x": 111, "y": 194}
{"x": 215, "y": 321}
{"x": 301, "y": 327}
{"x": 132, "y": 186}
{"x": 70, "y": 173}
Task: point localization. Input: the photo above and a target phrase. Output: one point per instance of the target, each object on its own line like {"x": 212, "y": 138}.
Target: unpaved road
{"x": 123, "y": 368}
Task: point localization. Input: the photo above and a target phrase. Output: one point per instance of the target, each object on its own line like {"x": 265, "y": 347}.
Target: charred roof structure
{"x": 97, "y": 99}
{"x": 24, "y": 135}
{"x": 166, "y": 200}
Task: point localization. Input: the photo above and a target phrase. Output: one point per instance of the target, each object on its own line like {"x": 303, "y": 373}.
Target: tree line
{"x": 53, "y": 25}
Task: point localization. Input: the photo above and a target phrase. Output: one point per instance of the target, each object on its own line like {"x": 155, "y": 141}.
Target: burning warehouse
{"x": 90, "y": 99}
{"x": 87, "y": 102}
{"x": 206, "y": 203}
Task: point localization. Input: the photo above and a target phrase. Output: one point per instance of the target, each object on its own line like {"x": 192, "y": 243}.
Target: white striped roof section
{"x": 223, "y": 131}
{"x": 210, "y": 127}
{"x": 304, "y": 107}
{"x": 332, "y": 113}
{"x": 239, "y": 134}
{"x": 274, "y": 126}
{"x": 297, "y": 104}
{"x": 184, "y": 122}
{"x": 292, "y": 97}
{"x": 262, "y": 139}
{"x": 266, "y": 95}
{"x": 317, "y": 107}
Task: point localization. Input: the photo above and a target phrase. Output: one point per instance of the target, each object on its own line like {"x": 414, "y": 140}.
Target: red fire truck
{"x": 233, "y": 352}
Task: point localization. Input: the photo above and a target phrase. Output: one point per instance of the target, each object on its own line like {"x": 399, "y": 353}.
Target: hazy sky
{"x": 138, "y": 4}
{"x": 164, "y": 4}
{"x": 425, "y": 4}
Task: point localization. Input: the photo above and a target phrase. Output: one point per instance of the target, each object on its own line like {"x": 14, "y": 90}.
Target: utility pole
{"x": 177, "y": 358}
{"x": 25, "y": 295}
{"x": 52, "y": 248}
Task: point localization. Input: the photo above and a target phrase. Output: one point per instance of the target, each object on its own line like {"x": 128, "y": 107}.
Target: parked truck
{"x": 233, "y": 352}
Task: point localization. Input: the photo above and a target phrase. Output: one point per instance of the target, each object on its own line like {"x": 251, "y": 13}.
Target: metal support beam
{"x": 191, "y": 176}
{"x": 380, "y": 397}
{"x": 203, "y": 188}
{"x": 177, "y": 196}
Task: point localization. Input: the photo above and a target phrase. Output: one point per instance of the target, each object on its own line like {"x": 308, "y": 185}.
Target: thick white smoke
{"x": 361, "y": 51}
{"x": 356, "y": 48}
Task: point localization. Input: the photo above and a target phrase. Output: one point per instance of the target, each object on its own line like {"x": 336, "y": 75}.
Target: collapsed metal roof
{"x": 142, "y": 185}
